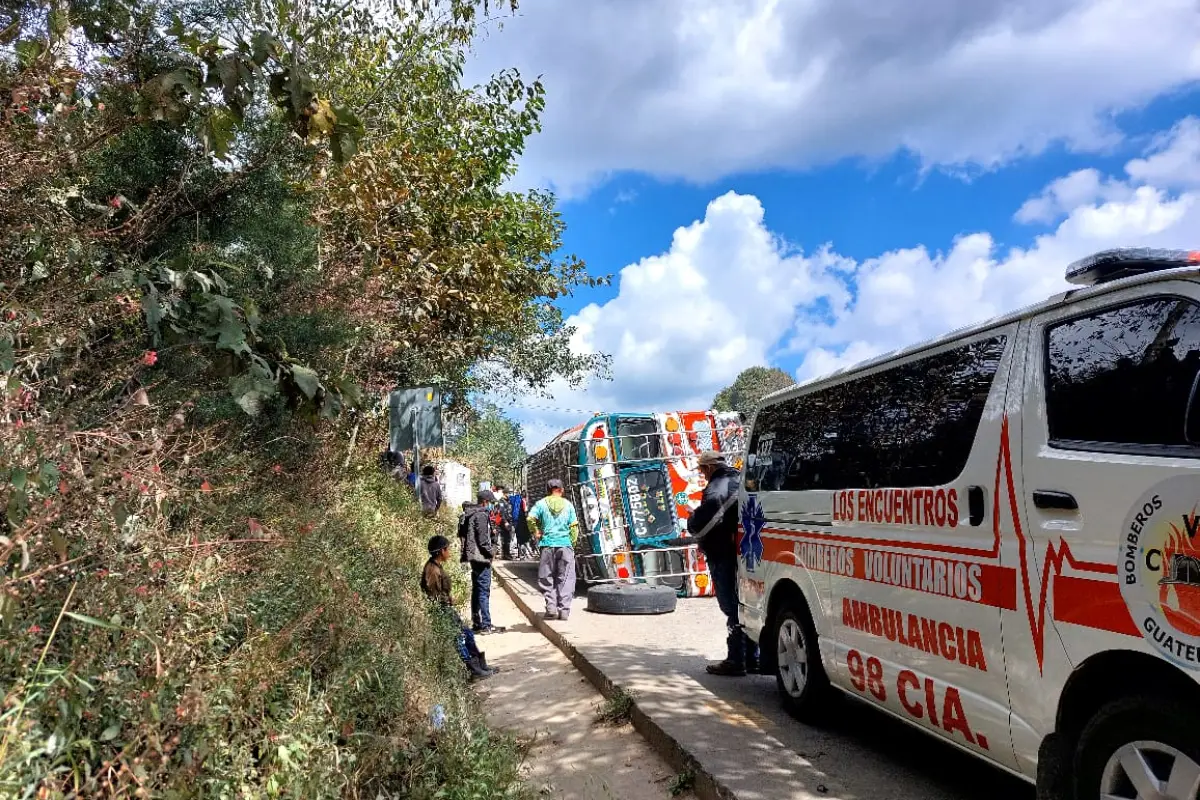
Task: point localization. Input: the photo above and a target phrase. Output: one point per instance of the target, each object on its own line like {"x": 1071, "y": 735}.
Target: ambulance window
{"x": 1123, "y": 376}
{"x": 911, "y": 425}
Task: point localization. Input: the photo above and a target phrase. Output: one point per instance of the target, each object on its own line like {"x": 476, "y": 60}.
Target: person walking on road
{"x": 478, "y": 551}
{"x": 502, "y": 522}
{"x": 521, "y": 524}
{"x": 430, "y": 492}
{"x": 713, "y": 526}
{"x": 555, "y": 528}
{"x": 435, "y": 583}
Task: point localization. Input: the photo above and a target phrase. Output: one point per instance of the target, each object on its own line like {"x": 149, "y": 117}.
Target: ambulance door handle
{"x": 1061, "y": 501}
{"x": 975, "y": 505}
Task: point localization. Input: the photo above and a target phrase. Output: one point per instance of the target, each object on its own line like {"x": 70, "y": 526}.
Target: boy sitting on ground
{"x": 435, "y": 583}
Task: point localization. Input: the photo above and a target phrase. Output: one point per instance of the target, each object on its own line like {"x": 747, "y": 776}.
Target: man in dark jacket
{"x": 478, "y": 551}
{"x": 502, "y": 523}
{"x": 429, "y": 491}
{"x": 521, "y": 523}
{"x": 714, "y": 525}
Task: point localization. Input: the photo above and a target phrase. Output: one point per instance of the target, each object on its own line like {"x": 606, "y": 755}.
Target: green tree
{"x": 466, "y": 270}
{"x": 753, "y": 384}
{"x": 220, "y": 222}
{"x": 493, "y": 445}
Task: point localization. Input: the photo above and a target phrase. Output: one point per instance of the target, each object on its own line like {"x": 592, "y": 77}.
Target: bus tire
{"x": 631, "y": 598}
{"x": 799, "y": 674}
{"x": 1161, "y": 732}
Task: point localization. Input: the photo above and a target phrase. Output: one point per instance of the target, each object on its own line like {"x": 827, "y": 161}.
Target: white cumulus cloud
{"x": 1174, "y": 160}
{"x": 728, "y": 293}
{"x": 699, "y": 89}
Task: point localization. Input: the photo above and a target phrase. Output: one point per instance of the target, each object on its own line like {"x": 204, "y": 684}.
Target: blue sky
{"x": 807, "y": 185}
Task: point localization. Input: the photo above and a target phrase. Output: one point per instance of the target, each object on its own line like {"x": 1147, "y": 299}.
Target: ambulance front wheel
{"x": 799, "y": 673}
{"x": 1139, "y": 747}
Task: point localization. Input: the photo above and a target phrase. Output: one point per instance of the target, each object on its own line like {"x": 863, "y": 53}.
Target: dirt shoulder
{"x": 540, "y": 696}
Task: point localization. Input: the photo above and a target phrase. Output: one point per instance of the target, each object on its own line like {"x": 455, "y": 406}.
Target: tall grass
{"x": 306, "y": 668}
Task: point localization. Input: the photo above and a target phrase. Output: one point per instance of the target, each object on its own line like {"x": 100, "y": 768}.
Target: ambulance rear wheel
{"x": 799, "y": 674}
{"x": 1139, "y": 747}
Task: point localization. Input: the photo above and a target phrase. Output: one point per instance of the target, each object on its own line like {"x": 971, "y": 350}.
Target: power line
{"x": 539, "y": 407}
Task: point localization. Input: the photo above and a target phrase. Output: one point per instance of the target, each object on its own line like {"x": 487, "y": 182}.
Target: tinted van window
{"x": 1123, "y": 375}
{"x": 910, "y": 425}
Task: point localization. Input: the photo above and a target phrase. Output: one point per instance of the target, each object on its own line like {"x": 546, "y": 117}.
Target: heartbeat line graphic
{"x": 1093, "y": 602}
{"x": 1055, "y": 557}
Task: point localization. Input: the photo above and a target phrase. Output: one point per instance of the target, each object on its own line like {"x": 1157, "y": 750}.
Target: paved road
{"x": 740, "y": 725}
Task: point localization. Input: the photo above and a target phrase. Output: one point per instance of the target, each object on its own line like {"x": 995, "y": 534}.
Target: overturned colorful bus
{"x": 633, "y": 478}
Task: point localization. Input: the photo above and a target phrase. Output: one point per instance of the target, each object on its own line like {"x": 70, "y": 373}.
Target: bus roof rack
{"x": 1110, "y": 265}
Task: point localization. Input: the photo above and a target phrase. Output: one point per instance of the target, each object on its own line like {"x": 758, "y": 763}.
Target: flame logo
{"x": 1179, "y": 586}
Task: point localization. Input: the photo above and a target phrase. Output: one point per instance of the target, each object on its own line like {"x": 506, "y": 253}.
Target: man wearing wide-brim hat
{"x": 714, "y": 525}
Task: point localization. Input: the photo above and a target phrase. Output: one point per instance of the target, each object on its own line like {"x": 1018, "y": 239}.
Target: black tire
{"x": 1053, "y": 769}
{"x": 808, "y": 700}
{"x": 631, "y": 598}
{"x": 1156, "y": 720}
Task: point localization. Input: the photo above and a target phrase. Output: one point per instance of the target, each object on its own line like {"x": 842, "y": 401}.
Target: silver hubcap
{"x": 793, "y": 659}
{"x": 1150, "y": 771}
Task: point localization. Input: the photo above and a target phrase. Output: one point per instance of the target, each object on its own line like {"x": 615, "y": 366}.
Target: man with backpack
{"x": 475, "y": 533}
{"x": 555, "y": 529}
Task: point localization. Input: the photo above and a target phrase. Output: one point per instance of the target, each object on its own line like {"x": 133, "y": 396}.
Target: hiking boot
{"x": 563, "y": 616}
{"x": 478, "y": 671}
{"x": 727, "y": 668}
{"x": 483, "y": 663}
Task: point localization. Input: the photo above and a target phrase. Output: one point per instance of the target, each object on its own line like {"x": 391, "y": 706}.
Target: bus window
{"x": 638, "y": 439}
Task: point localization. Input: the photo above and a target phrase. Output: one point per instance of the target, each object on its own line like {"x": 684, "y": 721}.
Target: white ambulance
{"x": 993, "y": 536}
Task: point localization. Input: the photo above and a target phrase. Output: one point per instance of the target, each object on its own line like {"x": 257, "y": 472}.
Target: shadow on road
{"x": 859, "y": 753}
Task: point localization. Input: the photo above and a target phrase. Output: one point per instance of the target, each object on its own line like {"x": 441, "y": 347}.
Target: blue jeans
{"x": 465, "y": 641}
{"x": 740, "y": 649}
{"x": 466, "y": 644}
{"x": 481, "y": 594}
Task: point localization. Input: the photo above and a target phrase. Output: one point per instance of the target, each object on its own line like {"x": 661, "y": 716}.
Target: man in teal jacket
{"x": 555, "y": 528}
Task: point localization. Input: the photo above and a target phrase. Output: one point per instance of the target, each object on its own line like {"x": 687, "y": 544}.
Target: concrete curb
{"x": 706, "y": 786}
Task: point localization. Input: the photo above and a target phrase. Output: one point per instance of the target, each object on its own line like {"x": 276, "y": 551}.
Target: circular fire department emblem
{"x": 1159, "y": 568}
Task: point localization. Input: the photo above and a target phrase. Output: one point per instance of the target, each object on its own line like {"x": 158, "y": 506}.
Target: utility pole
{"x": 416, "y": 442}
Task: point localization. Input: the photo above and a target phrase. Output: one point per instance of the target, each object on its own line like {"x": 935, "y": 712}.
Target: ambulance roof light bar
{"x": 1110, "y": 265}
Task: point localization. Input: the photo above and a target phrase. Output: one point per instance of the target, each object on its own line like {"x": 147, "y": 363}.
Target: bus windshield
{"x": 650, "y": 501}
{"x": 638, "y": 439}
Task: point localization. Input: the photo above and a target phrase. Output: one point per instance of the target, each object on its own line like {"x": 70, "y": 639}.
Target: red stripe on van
{"x": 966, "y": 581}
{"x": 1092, "y": 604}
